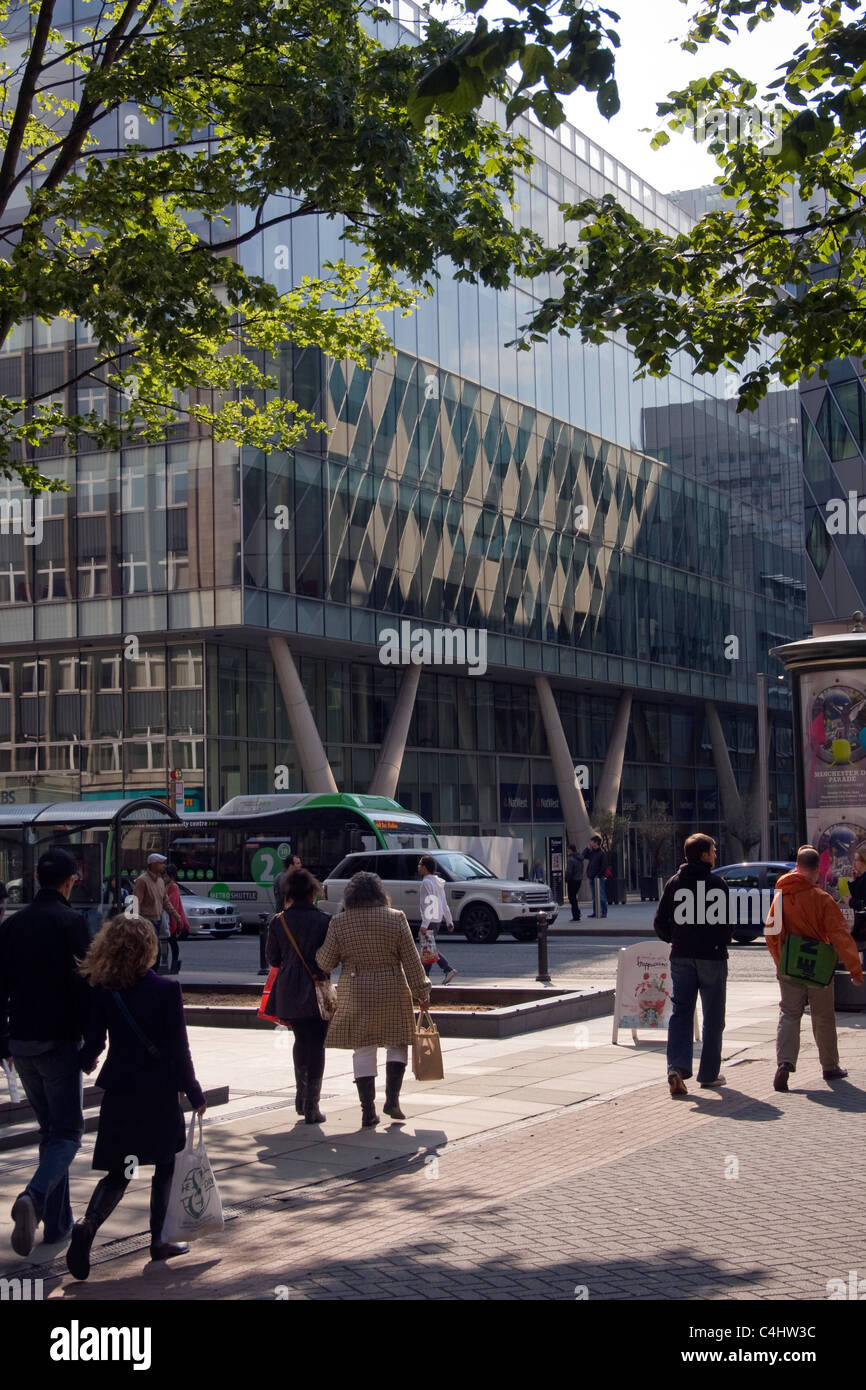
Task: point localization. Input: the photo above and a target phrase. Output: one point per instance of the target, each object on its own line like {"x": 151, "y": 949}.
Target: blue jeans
{"x": 603, "y": 896}
{"x": 52, "y": 1084}
{"x": 690, "y": 978}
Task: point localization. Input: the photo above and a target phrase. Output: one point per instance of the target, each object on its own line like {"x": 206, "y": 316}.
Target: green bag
{"x": 806, "y": 961}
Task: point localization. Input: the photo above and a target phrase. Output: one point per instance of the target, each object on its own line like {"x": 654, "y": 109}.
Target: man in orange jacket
{"x": 808, "y": 911}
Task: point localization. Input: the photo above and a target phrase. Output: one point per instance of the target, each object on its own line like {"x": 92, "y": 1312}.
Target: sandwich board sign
{"x": 644, "y": 992}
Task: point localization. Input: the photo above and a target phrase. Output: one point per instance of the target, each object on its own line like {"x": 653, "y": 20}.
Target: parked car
{"x": 206, "y": 916}
{"x": 482, "y": 905}
{"x": 753, "y": 886}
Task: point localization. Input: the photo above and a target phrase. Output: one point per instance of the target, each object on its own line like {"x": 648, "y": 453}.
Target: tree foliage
{"x": 252, "y": 116}
{"x": 743, "y": 276}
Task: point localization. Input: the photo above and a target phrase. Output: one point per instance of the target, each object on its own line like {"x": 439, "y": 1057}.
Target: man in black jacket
{"x": 693, "y": 916}
{"x": 597, "y": 864}
{"x": 43, "y": 1008}
{"x": 573, "y": 876}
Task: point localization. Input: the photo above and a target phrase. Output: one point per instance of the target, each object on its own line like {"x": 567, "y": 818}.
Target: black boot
{"x": 393, "y": 1081}
{"x": 160, "y": 1190}
{"x": 367, "y": 1091}
{"x": 301, "y": 1090}
{"x": 106, "y": 1195}
{"x": 312, "y": 1113}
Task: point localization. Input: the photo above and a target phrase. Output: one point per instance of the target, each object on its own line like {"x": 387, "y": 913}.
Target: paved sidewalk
{"x": 512, "y": 1117}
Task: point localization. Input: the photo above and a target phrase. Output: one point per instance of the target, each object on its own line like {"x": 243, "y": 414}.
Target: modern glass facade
{"x": 607, "y": 533}
{"x": 834, "y": 468}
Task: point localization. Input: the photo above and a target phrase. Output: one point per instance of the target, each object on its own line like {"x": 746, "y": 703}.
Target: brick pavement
{"x": 627, "y": 1196}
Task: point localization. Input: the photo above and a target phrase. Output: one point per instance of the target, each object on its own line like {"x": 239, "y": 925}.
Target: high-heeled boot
{"x": 301, "y": 1089}
{"x": 106, "y": 1195}
{"x": 312, "y": 1114}
{"x": 367, "y": 1091}
{"x": 393, "y": 1081}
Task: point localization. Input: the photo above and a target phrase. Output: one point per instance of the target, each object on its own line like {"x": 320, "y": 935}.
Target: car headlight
{"x": 511, "y": 895}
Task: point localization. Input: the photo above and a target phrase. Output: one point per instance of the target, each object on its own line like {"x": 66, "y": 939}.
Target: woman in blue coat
{"x": 148, "y": 1063}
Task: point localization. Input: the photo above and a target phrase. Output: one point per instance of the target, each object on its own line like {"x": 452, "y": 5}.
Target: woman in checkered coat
{"x": 381, "y": 972}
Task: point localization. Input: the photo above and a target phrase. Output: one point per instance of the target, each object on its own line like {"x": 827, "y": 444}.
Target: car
{"x": 206, "y": 916}
{"x": 753, "y": 885}
{"x": 482, "y": 905}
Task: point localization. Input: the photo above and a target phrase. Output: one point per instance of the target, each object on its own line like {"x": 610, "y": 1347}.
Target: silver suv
{"x": 482, "y": 905}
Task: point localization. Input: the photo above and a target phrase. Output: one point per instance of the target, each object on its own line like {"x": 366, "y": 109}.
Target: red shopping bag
{"x": 262, "y": 1010}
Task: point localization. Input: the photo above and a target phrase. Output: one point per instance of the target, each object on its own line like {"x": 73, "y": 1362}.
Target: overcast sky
{"x": 649, "y": 64}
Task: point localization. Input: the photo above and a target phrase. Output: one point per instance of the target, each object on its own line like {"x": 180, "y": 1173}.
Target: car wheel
{"x": 744, "y": 939}
{"x": 479, "y": 924}
{"x": 525, "y": 934}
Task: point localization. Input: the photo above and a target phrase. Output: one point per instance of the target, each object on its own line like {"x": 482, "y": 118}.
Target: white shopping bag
{"x": 14, "y": 1084}
{"x": 194, "y": 1205}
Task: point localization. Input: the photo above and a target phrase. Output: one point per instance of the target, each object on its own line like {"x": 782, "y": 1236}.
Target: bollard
{"x": 264, "y": 918}
{"x": 596, "y": 896}
{"x": 543, "y": 976}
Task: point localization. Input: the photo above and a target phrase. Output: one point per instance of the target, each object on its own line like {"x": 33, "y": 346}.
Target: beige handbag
{"x": 426, "y": 1049}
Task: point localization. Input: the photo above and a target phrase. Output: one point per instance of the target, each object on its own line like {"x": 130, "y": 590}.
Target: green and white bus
{"x": 237, "y": 853}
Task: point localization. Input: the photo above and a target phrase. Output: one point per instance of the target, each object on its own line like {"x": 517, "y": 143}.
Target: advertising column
{"x": 829, "y": 680}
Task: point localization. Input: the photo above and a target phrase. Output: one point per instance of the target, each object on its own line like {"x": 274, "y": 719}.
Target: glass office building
{"x": 608, "y": 534}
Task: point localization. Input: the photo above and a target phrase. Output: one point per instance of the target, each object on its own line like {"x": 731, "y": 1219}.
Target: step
{"x": 18, "y": 1136}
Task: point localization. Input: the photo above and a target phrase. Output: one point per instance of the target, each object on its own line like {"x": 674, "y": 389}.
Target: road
{"x": 582, "y": 960}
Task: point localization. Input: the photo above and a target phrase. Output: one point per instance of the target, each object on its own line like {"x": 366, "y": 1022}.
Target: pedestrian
{"x": 810, "y": 912}
{"x": 435, "y": 913}
{"x": 857, "y": 896}
{"x": 148, "y": 1063}
{"x": 280, "y": 882}
{"x": 4, "y": 898}
{"x": 294, "y": 937}
{"x": 179, "y": 929}
{"x": 537, "y": 872}
{"x": 43, "y": 1013}
{"x": 695, "y": 920}
{"x": 150, "y": 893}
{"x": 596, "y": 869}
{"x": 380, "y": 975}
{"x": 573, "y": 879}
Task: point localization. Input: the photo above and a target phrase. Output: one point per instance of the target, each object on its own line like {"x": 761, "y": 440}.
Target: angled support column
{"x": 732, "y": 806}
{"x": 570, "y": 796}
{"x": 314, "y": 762}
{"x": 611, "y": 777}
{"x": 386, "y": 774}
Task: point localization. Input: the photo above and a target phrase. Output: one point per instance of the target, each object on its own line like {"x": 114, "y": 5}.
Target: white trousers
{"x": 364, "y": 1059}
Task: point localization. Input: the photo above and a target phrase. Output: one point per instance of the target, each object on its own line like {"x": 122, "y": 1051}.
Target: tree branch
{"x": 25, "y": 100}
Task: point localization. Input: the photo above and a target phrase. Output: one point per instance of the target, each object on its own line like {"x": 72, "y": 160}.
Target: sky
{"x": 649, "y": 64}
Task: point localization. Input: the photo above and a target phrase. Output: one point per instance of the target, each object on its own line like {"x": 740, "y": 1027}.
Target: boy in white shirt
{"x": 434, "y": 912}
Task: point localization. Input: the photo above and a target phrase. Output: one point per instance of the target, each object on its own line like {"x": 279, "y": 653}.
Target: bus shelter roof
{"x": 132, "y": 809}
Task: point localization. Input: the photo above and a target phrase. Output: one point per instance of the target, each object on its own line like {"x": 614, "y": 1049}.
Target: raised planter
{"x": 515, "y": 1010}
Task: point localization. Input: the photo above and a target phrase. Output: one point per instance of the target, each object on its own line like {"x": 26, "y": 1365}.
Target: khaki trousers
{"x": 820, "y": 999}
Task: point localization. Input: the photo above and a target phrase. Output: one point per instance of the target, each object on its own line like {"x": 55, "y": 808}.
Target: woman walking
{"x": 179, "y": 925}
{"x": 381, "y": 972}
{"x": 294, "y": 937}
{"x": 148, "y": 1063}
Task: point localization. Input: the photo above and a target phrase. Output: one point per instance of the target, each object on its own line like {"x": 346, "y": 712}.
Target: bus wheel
{"x": 479, "y": 924}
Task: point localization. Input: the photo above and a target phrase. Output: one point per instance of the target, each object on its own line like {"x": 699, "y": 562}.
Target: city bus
{"x": 236, "y": 853}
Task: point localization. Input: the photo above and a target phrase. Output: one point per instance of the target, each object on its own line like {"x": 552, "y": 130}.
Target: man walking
{"x": 435, "y": 911}
{"x": 693, "y": 916}
{"x": 573, "y": 878}
{"x": 149, "y": 890}
{"x": 43, "y": 1012}
{"x": 596, "y": 869}
{"x": 808, "y": 911}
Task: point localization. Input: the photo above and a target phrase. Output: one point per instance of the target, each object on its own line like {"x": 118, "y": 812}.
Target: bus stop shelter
{"x": 110, "y": 841}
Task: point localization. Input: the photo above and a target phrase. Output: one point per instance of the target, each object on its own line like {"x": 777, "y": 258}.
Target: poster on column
{"x": 833, "y": 707}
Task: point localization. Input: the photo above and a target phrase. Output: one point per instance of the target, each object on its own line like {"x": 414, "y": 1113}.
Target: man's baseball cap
{"x": 156, "y": 859}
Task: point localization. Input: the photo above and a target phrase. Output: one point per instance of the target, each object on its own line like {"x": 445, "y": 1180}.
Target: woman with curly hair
{"x": 148, "y": 1062}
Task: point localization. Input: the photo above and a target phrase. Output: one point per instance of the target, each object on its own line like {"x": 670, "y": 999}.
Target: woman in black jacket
{"x": 148, "y": 1062}
{"x": 857, "y": 898}
{"x": 293, "y": 997}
